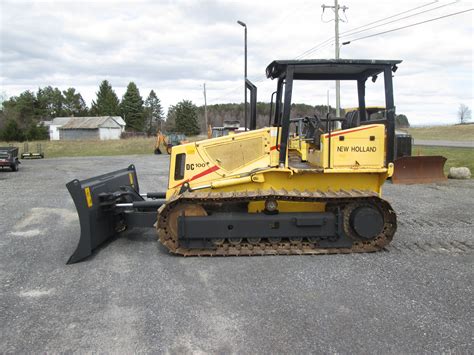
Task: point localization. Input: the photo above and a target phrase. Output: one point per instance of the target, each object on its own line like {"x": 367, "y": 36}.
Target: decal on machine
{"x": 357, "y": 149}
{"x": 195, "y": 166}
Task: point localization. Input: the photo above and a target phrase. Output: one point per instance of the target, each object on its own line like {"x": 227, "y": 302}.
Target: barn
{"x": 54, "y": 127}
{"x": 88, "y": 128}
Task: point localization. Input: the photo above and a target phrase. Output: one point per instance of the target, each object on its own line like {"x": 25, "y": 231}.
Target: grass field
{"x": 456, "y": 156}
{"x": 56, "y": 149}
{"x": 449, "y": 133}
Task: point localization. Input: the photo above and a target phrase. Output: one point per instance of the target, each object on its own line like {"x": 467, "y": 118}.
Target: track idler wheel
{"x": 182, "y": 210}
{"x": 363, "y": 222}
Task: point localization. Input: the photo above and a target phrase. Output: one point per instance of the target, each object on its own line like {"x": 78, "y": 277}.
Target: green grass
{"x": 87, "y": 148}
{"x": 456, "y": 156}
{"x": 55, "y": 149}
{"x": 449, "y": 133}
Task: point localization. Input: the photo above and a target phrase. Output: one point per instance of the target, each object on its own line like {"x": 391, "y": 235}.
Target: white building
{"x": 120, "y": 121}
{"x": 58, "y": 122}
{"x": 90, "y": 128}
{"x": 54, "y": 125}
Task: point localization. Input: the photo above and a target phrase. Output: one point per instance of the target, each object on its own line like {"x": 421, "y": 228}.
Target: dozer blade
{"x": 419, "y": 170}
{"x": 98, "y": 219}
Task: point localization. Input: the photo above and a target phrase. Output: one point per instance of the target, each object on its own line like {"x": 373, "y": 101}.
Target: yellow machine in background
{"x": 166, "y": 142}
{"x": 262, "y": 192}
{"x": 297, "y": 142}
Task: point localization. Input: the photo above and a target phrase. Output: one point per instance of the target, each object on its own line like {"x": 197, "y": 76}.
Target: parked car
{"x": 9, "y": 158}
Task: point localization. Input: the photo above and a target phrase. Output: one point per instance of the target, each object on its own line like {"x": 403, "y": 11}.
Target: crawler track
{"x": 342, "y": 198}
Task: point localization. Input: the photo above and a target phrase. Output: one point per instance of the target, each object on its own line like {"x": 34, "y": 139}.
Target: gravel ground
{"x": 133, "y": 296}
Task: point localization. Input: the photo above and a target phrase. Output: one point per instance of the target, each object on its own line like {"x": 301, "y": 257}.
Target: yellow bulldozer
{"x": 253, "y": 193}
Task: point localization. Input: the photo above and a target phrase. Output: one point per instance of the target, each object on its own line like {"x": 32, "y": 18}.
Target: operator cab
{"x": 316, "y": 129}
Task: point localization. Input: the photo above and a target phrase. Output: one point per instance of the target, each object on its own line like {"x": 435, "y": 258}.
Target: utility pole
{"x": 336, "y": 8}
{"x": 329, "y": 111}
{"x": 205, "y": 106}
{"x": 245, "y": 71}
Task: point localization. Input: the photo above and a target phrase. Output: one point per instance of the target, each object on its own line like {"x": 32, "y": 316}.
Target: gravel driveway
{"x": 132, "y": 295}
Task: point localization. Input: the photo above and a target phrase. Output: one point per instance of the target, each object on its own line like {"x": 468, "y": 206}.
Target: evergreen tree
{"x": 74, "y": 104}
{"x": 37, "y": 132}
{"x": 3, "y": 98}
{"x": 186, "y": 118}
{"x": 153, "y": 113}
{"x": 132, "y": 108}
{"x": 170, "y": 124}
{"x": 107, "y": 102}
{"x": 12, "y": 132}
{"x": 22, "y": 108}
{"x": 49, "y": 103}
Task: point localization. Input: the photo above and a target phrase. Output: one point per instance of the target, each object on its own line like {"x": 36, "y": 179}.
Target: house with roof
{"x": 120, "y": 121}
{"x": 56, "y": 123}
{"x": 90, "y": 128}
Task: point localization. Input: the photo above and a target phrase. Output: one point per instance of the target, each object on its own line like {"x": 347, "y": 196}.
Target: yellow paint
{"x": 300, "y": 146}
{"x": 289, "y": 206}
{"x": 390, "y": 170}
{"x": 249, "y": 161}
{"x": 87, "y": 192}
{"x": 231, "y": 182}
{"x": 258, "y": 178}
{"x": 356, "y": 150}
{"x": 130, "y": 176}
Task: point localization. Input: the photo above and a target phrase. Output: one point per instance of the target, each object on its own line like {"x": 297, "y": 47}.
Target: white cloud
{"x": 175, "y": 46}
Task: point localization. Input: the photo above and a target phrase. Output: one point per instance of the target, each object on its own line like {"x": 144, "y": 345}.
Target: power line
{"x": 327, "y": 42}
{"x": 315, "y": 48}
{"x": 411, "y": 25}
{"x": 331, "y": 41}
{"x": 389, "y": 17}
{"x": 402, "y": 18}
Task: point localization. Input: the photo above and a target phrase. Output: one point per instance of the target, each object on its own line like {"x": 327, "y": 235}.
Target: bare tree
{"x": 464, "y": 113}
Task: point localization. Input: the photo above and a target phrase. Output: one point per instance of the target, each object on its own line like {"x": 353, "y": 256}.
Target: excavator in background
{"x": 164, "y": 143}
{"x": 408, "y": 168}
{"x": 250, "y": 194}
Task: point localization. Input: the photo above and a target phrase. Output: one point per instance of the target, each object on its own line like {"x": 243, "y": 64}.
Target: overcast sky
{"x": 174, "y": 47}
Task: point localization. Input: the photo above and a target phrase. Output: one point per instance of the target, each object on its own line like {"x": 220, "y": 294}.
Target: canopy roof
{"x": 329, "y": 69}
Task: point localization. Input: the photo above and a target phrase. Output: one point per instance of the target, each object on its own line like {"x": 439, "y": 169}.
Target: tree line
{"x": 219, "y": 113}
{"x": 21, "y": 116}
